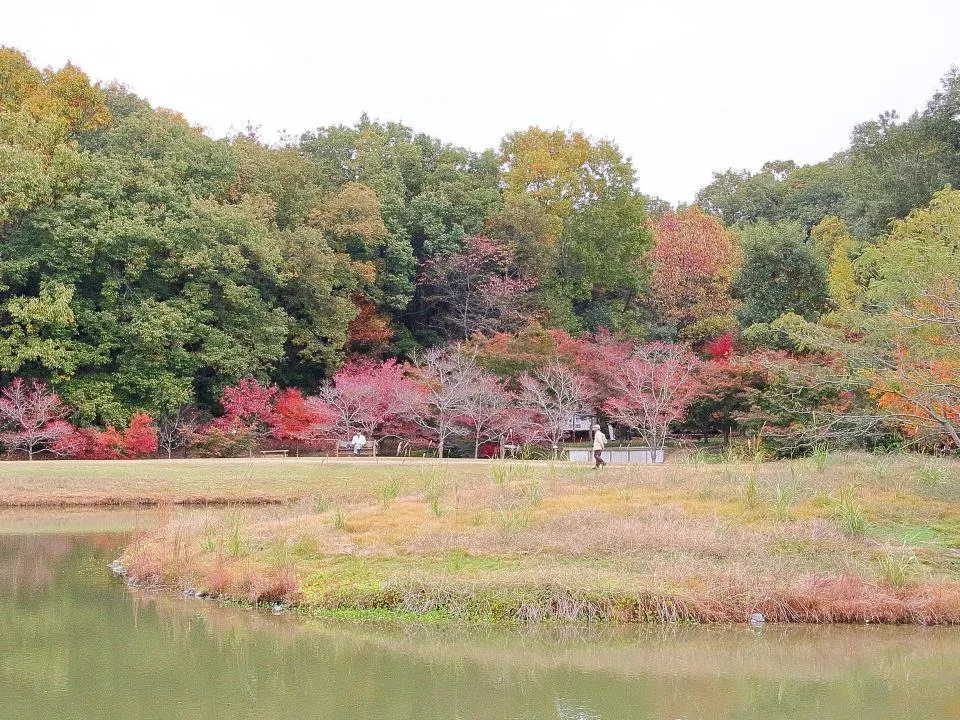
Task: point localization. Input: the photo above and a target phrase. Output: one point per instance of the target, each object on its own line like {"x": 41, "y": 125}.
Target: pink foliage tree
{"x": 435, "y": 400}
{"x": 520, "y": 427}
{"x": 484, "y": 403}
{"x": 652, "y": 386}
{"x": 476, "y": 289}
{"x": 33, "y": 418}
{"x": 556, "y": 394}
{"x": 367, "y": 396}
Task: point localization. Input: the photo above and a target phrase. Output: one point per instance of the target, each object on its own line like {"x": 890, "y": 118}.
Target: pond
{"x": 75, "y": 642}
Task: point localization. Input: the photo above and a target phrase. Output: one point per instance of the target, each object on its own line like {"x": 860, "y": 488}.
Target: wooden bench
{"x": 369, "y": 448}
{"x": 268, "y": 453}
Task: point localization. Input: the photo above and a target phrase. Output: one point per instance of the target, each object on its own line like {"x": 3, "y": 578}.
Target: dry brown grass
{"x": 213, "y": 481}
{"x": 855, "y": 539}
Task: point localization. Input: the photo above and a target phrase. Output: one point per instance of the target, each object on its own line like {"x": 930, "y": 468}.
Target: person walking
{"x": 599, "y": 442}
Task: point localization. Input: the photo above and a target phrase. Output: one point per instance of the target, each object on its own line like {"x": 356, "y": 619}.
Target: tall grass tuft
{"x": 235, "y": 544}
{"x": 898, "y": 570}
{"x": 208, "y": 542}
{"x": 931, "y": 475}
{"x": 698, "y": 458}
{"x": 503, "y": 472}
{"x": 531, "y": 492}
{"x": 820, "y": 454}
{"x": 849, "y": 513}
{"x": 751, "y": 491}
{"x": 339, "y": 519}
{"x": 389, "y": 491}
{"x": 435, "y": 489}
{"x": 781, "y": 504}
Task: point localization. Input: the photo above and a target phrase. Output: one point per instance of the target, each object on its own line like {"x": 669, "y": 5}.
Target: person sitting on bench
{"x": 358, "y": 441}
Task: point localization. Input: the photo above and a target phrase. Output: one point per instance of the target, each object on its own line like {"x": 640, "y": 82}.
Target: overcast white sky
{"x": 684, "y": 87}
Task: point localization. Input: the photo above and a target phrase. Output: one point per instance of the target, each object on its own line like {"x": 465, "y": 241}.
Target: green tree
{"x": 782, "y": 272}
{"x": 603, "y": 268}
{"x": 562, "y": 171}
{"x": 836, "y": 246}
{"x": 781, "y": 190}
{"x": 895, "y": 166}
{"x": 901, "y": 346}
{"x": 147, "y": 278}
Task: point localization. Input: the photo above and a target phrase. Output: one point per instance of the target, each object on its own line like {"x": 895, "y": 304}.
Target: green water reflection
{"x": 75, "y": 643}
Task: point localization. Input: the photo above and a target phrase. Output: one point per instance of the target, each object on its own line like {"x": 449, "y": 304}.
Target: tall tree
{"x": 901, "y": 345}
{"x": 782, "y": 272}
{"x": 562, "y": 171}
{"x": 249, "y": 408}
{"x": 475, "y": 290}
{"x": 836, "y": 246}
{"x": 442, "y": 382}
{"x": 653, "y": 386}
{"x": 485, "y": 406}
{"x": 694, "y": 261}
{"x": 368, "y": 396}
{"x": 603, "y": 268}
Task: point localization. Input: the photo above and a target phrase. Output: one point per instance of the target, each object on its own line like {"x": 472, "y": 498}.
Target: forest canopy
{"x": 145, "y": 266}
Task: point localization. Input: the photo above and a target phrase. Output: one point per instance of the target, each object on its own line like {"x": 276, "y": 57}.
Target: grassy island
{"x": 842, "y": 538}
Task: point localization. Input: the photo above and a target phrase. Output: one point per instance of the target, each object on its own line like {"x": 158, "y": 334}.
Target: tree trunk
{"x": 440, "y": 450}
{"x": 476, "y": 447}
{"x": 951, "y": 431}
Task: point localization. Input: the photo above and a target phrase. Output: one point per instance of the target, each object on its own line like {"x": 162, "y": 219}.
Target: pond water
{"x": 77, "y": 643}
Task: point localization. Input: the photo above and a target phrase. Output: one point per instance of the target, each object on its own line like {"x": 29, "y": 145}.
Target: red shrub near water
{"x": 272, "y": 586}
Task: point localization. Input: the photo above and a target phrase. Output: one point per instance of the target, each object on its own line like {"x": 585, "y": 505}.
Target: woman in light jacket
{"x": 599, "y": 442}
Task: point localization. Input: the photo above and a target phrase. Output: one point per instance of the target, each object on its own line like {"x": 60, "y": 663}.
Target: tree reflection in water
{"x": 75, "y": 642}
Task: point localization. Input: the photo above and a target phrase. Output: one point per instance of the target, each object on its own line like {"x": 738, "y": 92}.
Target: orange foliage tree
{"x": 693, "y": 261}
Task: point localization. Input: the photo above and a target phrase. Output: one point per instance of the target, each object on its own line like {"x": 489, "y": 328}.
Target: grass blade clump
{"x": 931, "y": 475}
{"x": 900, "y": 569}
{"x": 781, "y": 504}
{"x": 849, "y": 513}
{"x": 820, "y": 454}
{"x": 235, "y": 544}
{"x": 389, "y": 491}
{"x": 751, "y": 491}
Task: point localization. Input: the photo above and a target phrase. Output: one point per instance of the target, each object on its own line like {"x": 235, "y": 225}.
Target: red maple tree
{"x": 652, "y": 386}
{"x": 248, "y": 406}
{"x": 306, "y": 420}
